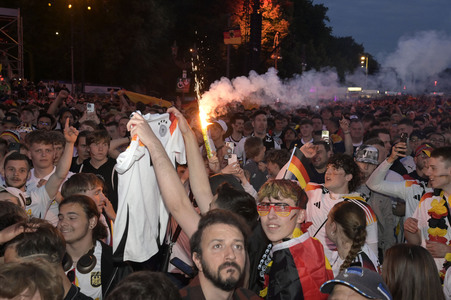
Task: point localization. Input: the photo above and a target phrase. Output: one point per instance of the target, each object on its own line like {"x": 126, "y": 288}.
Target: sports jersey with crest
{"x": 90, "y": 283}
{"x": 142, "y": 217}
{"x": 318, "y": 207}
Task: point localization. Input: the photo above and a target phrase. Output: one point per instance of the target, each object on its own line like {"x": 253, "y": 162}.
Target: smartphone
{"x": 232, "y": 159}
{"x": 182, "y": 266}
{"x": 90, "y": 107}
{"x": 230, "y": 147}
{"x": 404, "y": 139}
{"x": 325, "y": 136}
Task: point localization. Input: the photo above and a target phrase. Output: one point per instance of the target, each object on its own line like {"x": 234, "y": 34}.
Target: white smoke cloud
{"x": 268, "y": 88}
{"x": 419, "y": 59}
{"x": 413, "y": 68}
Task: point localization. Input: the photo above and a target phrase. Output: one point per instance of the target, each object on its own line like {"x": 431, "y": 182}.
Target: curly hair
{"x": 353, "y": 221}
{"x": 348, "y": 164}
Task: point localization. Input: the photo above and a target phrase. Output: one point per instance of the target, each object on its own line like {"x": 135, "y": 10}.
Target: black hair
{"x": 238, "y": 202}
{"x": 213, "y": 217}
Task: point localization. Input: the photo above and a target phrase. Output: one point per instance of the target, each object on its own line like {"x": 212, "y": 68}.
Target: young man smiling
{"x": 91, "y": 265}
{"x": 281, "y": 208}
{"x": 342, "y": 178}
{"x": 430, "y": 224}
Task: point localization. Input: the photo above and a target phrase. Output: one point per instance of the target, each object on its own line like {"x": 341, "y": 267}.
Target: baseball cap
{"x": 426, "y": 148}
{"x": 11, "y": 119}
{"x": 364, "y": 281}
{"x": 367, "y": 154}
{"x": 222, "y": 124}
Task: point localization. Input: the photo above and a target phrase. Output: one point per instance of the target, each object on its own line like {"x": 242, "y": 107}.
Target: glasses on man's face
{"x": 281, "y": 209}
{"x": 43, "y": 123}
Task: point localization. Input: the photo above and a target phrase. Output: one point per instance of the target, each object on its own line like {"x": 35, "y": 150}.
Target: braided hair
{"x": 352, "y": 219}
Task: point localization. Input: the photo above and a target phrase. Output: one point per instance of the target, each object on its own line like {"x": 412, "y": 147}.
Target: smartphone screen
{"x": 325, "y": 136}
{"x": 90, "y": 107}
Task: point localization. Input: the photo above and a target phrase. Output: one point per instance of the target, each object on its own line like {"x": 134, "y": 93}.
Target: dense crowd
{"x": 105, "y": 198}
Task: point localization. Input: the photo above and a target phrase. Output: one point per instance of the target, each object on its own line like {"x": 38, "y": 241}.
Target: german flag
{"x": 232, "y": 37}
{"x": 297, "y": 168}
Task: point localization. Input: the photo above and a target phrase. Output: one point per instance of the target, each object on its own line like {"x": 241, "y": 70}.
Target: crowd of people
{"x": 335, "y": 200}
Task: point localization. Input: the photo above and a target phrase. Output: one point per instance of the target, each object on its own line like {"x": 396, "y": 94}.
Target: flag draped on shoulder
{"x": 297, "y": 168}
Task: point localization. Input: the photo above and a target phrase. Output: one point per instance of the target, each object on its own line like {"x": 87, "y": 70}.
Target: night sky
{"x": 379, "y": 24}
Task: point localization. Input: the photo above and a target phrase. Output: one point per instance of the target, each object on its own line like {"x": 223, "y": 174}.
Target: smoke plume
{"x": 417, "y": 63}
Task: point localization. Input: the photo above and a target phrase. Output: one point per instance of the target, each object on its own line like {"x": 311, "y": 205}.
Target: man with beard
{"x": 219, "y": 252}
{"x": 17, "y": 171}
{"x": 237, "y": 123}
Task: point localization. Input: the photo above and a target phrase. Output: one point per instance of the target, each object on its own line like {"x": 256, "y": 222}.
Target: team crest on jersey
{"x": 96, "y": 279}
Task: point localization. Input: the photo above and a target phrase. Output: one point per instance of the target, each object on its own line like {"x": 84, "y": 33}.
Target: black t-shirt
{"x": 108, "y": 174}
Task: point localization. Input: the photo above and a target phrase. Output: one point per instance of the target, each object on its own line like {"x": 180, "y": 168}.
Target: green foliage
{"x": 128, "y": 43}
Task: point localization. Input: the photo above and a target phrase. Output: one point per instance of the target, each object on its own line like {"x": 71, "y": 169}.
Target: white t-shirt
{"x": 318, "y": 207}
{"x": 52, "y": 213}
{"x": 139, "y": 197}
{"x": 90, "y": 284}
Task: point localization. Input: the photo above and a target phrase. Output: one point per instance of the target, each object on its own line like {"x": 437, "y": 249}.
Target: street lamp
{"x": 364, "y": 64}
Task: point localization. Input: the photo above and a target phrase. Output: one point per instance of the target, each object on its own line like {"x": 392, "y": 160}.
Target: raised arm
{"x": 116, "y": 143}
{"x": 53, "y": 108}
{"x": 171, "y": 188}
{"x": 198, "y": 177}
{"x": 54, "y": 182}
{"x": 344, "y": 125}
{"x": 376, "y": 181}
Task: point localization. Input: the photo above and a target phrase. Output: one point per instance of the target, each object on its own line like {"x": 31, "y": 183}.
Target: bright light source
{"x": 363, "y": 58}
{"x": 70, "y": 6}
{"x": 354, "y": 89}
{"x": 50, "y": 4}
{"x": 57, "y": 33}
{"x": 89, "y": 7}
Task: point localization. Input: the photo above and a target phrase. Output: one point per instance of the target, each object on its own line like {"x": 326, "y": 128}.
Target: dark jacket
{"x": 112, "y": 272}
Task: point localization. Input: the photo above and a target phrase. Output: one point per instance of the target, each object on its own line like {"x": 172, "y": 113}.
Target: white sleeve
{"x": 248, "y": 188}
{"x": 391, "y": 188}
